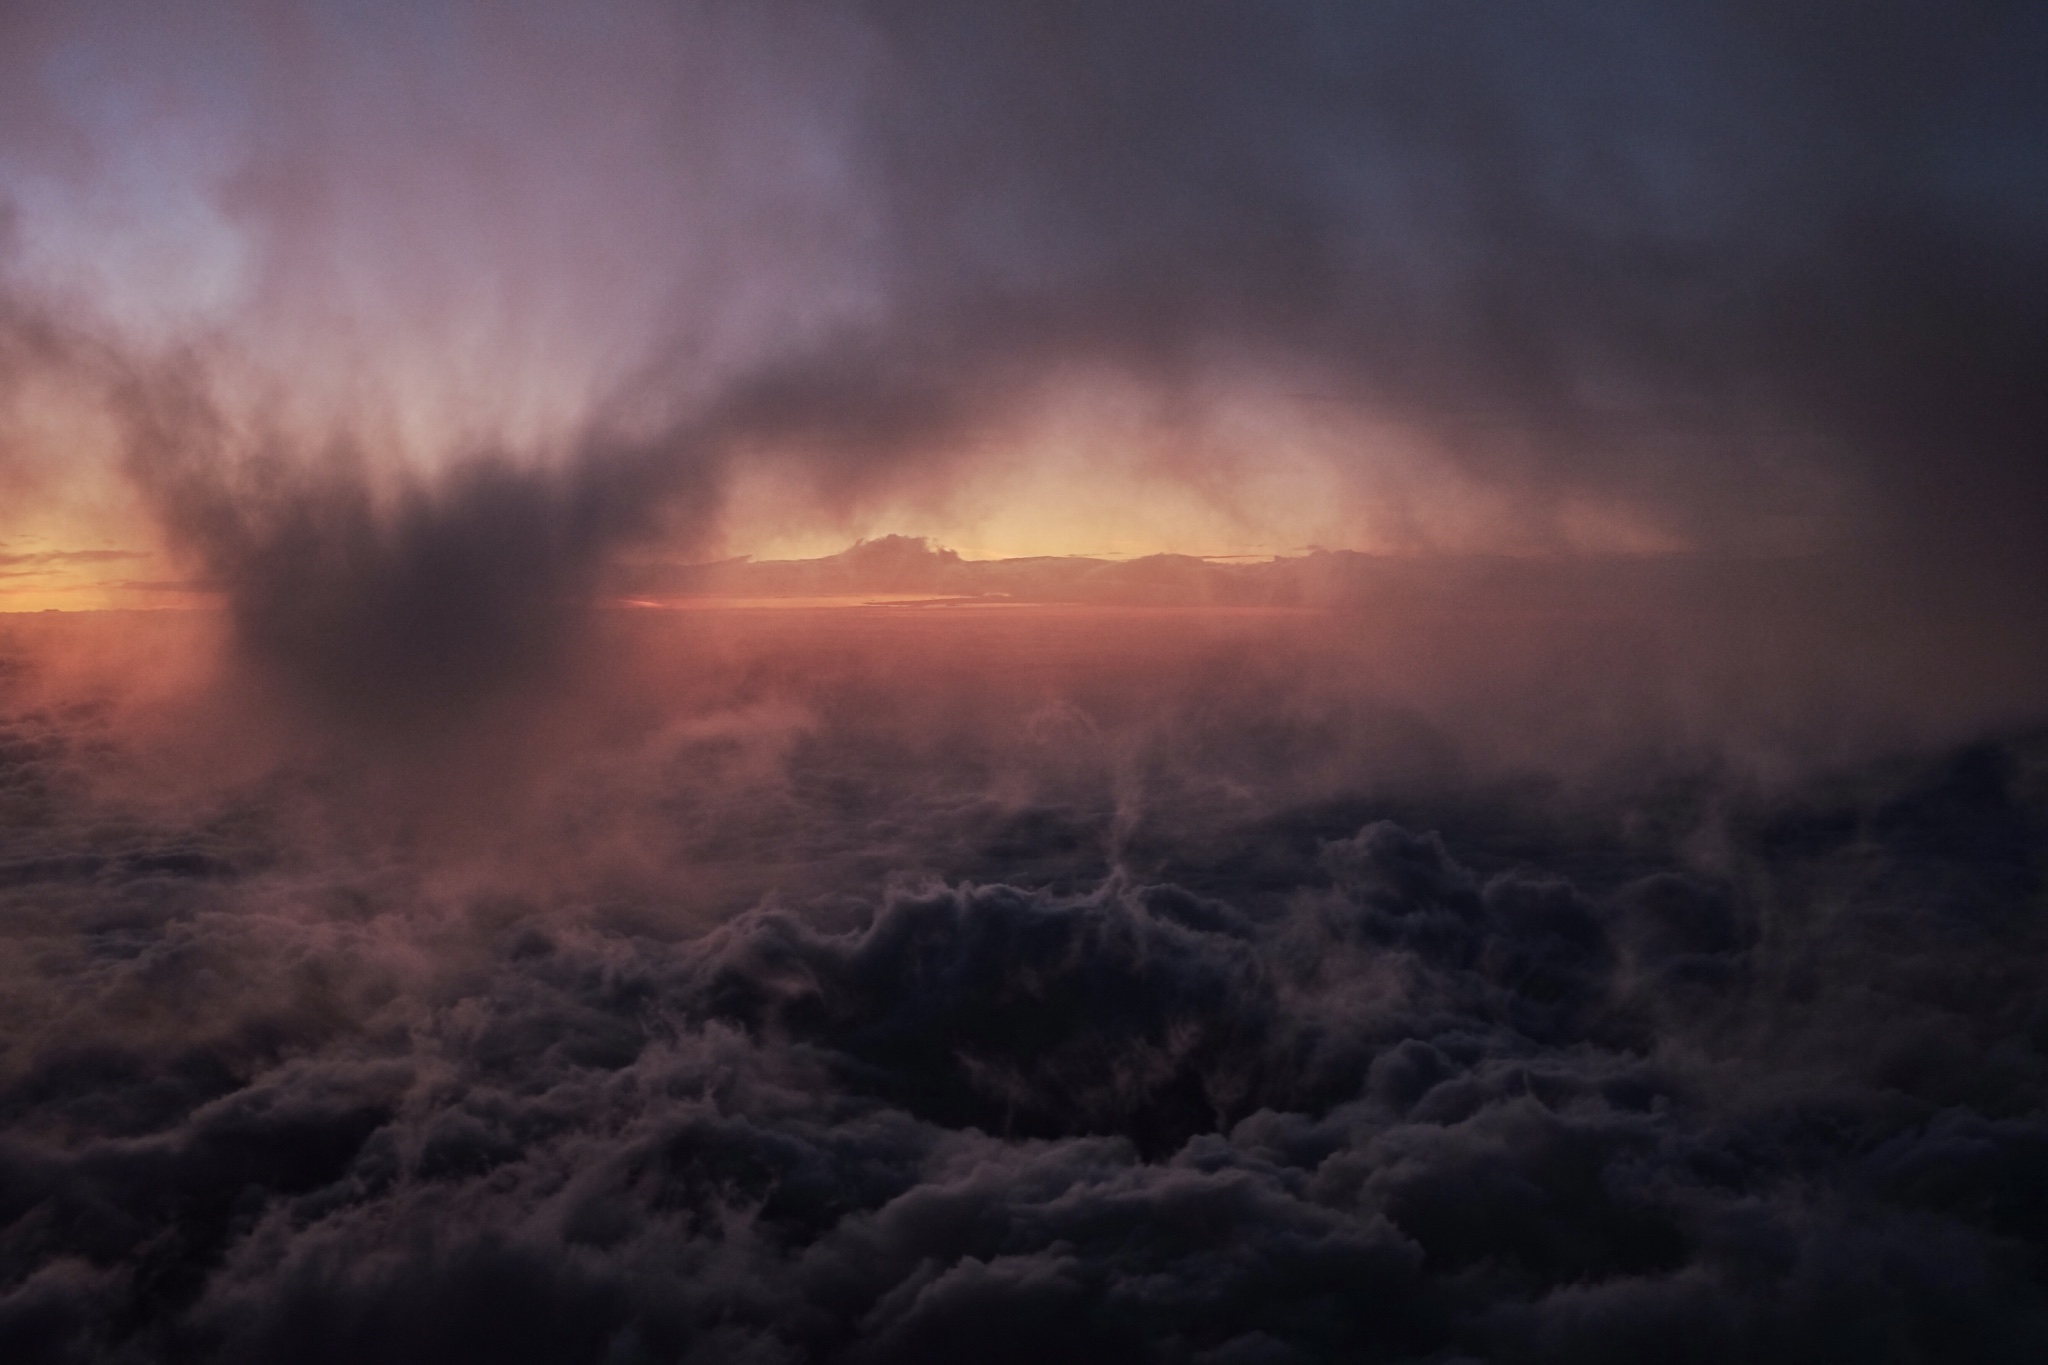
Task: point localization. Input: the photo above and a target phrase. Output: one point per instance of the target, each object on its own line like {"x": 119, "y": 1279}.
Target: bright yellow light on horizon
{"x": 1102, "y": 472}
{"x": 1097, "y": 469}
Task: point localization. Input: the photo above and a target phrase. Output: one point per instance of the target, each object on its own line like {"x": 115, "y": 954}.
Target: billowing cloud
{"x": 1352, "y": 1091}
{"x": 1522, "y": 953}
{"x": 1737, "y": 283}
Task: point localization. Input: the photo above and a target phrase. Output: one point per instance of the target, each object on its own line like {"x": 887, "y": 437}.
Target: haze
{"x": 892, "y": 682}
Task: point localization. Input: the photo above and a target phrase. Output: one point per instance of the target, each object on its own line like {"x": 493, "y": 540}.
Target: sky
{"x": 1193, "y": 279}
{"x": 1401, "y": 720}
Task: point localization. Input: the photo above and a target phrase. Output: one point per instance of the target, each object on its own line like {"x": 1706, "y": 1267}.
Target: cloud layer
{"x": 1059, "y": 1037}
{"x": 1522, "y": 960}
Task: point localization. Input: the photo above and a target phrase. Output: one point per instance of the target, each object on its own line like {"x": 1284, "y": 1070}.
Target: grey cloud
{"x": 1256, "y": 1000}
{"x": 1706, "y": 262}
{"x": 1545, "y": 1100}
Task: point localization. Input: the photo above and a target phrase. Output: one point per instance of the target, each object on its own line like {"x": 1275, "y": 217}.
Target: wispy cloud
{"x": 58, "y": 557}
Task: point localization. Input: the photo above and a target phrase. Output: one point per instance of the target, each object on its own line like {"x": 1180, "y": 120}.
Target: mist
{"x": 1572, "y": 890}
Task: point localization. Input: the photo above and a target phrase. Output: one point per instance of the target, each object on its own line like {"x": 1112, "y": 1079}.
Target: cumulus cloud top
{"x": 1726, "y": 1069}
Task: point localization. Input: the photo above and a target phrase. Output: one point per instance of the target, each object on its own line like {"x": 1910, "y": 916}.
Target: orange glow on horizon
{"x": 1097, "y": 468}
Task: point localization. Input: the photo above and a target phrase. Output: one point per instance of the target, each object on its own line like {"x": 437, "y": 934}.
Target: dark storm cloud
{"x": 1746, "y": 271}
{"x": 397, "y": 612}
{"x": 1665, "y": 249}
{"x": 405, "y": 606}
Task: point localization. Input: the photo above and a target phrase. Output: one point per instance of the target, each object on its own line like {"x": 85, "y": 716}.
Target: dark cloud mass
{"x": 1517, "y": 954}
{"x": 1126, "y": 1001}
{"x": 1773, "y": 281}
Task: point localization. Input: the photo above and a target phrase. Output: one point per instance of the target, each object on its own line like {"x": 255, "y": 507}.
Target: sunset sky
{"x": 1403, "y": 715}
{"x": 1026, "y": 279}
